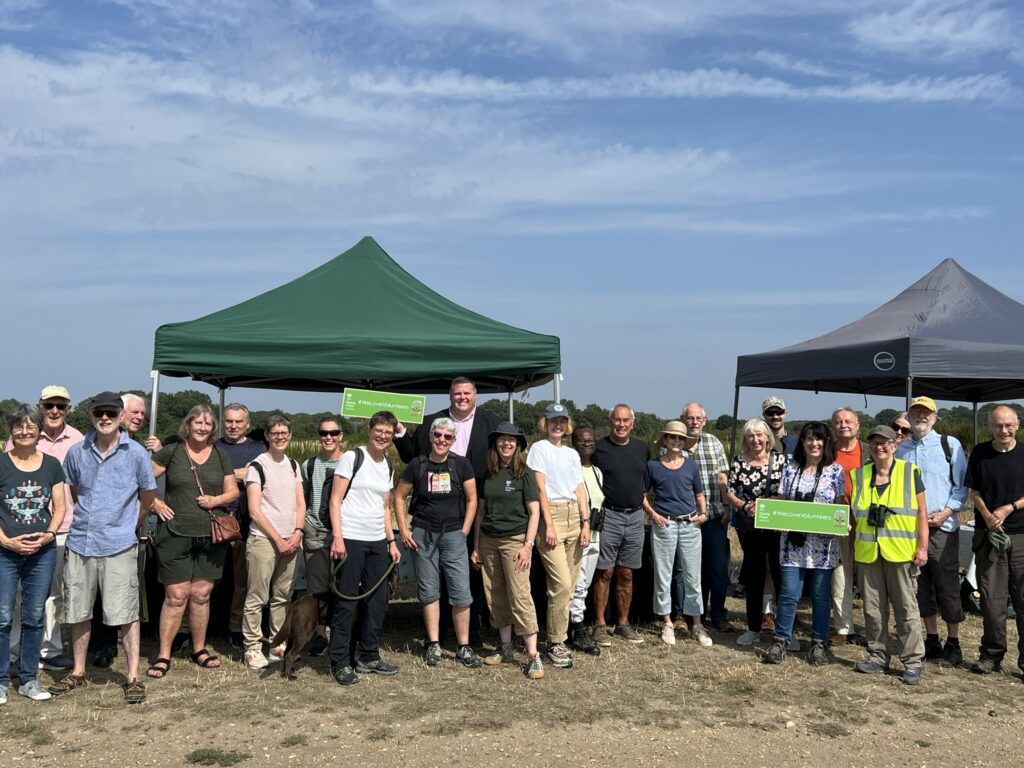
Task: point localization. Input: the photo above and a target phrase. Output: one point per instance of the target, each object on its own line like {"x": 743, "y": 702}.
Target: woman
{"x": 901, "y": 426}
{"x": 505, "y": 531}
{"x": 361, "y": 536}
{"x": 277, "y": 506}
{"x": 564, "y": 523}
{"x": 443, "y": 506}
{"x": 755, "y": 474}
{"x": 31, "y": 511}
{"x": 678, "y": 511}
{"x": 200, "y": 485}
{"x": 813, "y": 475}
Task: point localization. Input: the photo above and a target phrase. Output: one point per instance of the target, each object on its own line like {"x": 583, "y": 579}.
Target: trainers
{"x": 932, "y": 649}
{"x": 534, "y": 668}
{"x": 503, "y": 654}
{"x": 818, "y": 655}
{"x": 319, "y": 646}
{"x": 627, "y": 633}
{"x": 277, "y": 653}
{"x": 254, "y": 659}
{"x": 700, "y": 634}
{"x": 583, "y": 642}
{"x": 3, "y": 695}
{"x": 466, "y": 656}
{"x": 985, "y": 666}
{"x": 33, "y": 690}
{"x": 344, "y": 676}
{"x": 432, "y": 654}
{"x": 603, "y": 635}
{"x": 668, "y": 634}
{"x": 913, "y": 675}
{"x": 952, "y": 656}
{"x": 776, "y": 652}
{"x": 57, "y": 664}
{"x": 377, "y": 667}
{"x": 870, "y": 667}
{"x": 748, "y": 638}
{"x": 560, "y": 656}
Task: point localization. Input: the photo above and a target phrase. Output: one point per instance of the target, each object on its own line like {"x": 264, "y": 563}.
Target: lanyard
{"x": 794, "y": 486}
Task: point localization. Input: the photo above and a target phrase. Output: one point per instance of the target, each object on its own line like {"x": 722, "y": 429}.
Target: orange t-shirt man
{"x": 849, "y": 461}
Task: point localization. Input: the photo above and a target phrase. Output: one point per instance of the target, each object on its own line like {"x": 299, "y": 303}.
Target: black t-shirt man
{"x": 999, "y": 479}
{"x": 623, "y": 468}
{"x": 438, "y": 500}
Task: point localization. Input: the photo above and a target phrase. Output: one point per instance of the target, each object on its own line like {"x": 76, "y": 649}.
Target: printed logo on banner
{"x": 884, "y": 361}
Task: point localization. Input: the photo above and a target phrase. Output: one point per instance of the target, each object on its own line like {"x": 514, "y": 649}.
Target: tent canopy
{"x": 956, "y": 337}
{"x": 360, "y": 320}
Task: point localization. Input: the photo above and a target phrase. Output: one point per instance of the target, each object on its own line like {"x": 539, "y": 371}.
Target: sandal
{"x": 159, "y": 669}
{"x": 204, "y": 659}
{"x": 134, "y": 692}
{"x": 68, "y": 684}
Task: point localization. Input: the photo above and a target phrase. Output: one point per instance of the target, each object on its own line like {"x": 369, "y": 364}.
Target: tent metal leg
{"x": 155, "y": 376}
{"x": 910, "y": 391}
{"x": 974, "y": 422}
{"x": 220, "y": 410}
{"x": 510, "y": 414}
{"x": 735, "y": 415}
{"x": 557, "y": 379}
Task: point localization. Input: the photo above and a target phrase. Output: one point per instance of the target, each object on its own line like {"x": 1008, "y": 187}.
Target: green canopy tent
{"x": 359, "y": 320}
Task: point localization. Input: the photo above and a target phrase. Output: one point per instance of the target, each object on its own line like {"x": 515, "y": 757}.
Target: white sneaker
{"x": 748, "y": 638}
{"x": 668, "y": 634}
{"x": 701, "y": 636}
{"x": 254, "y": 659}
{"x": 33, "y": 690}
{"x": 277, "y": 654}
{"x": 794, "y": 645}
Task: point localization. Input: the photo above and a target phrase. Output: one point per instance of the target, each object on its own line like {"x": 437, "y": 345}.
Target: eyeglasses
{"x": 58, "y": 406}
{"x": 25, "y": 429}
{"x": 279, "y": 435}
{"x": 330, "y": 432}
{"x": 104, "y": 413}
{"x": 444, "y": 437}
{"x": 901, "y": 430}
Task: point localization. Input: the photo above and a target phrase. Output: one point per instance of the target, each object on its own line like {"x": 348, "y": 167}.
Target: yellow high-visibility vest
{"x": 896, "y": 541}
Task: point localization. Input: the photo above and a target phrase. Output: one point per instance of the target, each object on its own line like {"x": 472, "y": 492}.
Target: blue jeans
{"x": 33, "y": 573}
{"x": 715, "y": 568}
{"x": 676, "y": 543}
{"x": 792, "y": 587}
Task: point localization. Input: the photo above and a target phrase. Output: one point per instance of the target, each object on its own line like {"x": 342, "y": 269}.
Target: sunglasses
{"x": 773, "y": 414}
{"x": 443, "y": 436}
{"x": 675, "y": 437}
{"x": 101, "y": 413}
{"x": 58, "y": 406}
{"x": 901, "y": 430}
{"x": 330, "y": 432}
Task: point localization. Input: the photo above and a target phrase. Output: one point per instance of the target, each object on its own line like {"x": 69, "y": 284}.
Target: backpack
{"x": 357, "y": 462}
{"x": 244, "y": 519}
{"x": 949, "y": 456}
{"x": 323, "y": 513}
{"x": 421, "y": 475}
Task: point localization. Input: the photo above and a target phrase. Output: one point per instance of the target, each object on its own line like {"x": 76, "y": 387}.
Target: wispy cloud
{"x": 786, "y": 63}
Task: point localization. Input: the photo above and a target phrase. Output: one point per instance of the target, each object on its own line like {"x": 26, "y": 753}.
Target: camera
{"x": 877, "y": 515}
{"x": 803, "y": 496}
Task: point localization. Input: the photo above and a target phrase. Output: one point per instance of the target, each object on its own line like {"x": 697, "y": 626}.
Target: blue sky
{"x": 663, "y": 185}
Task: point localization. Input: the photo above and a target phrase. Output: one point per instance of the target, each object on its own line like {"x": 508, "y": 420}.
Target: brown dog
{"x": 300, "y": 623}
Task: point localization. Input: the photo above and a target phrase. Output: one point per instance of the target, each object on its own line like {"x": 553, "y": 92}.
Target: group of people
{"x": 472, "y": 505}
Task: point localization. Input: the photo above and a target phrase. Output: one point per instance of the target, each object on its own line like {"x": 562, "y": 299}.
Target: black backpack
{"x": 325, "y": 495}
{"x": 244, "y": 519}
{"x": 420, "y": 473}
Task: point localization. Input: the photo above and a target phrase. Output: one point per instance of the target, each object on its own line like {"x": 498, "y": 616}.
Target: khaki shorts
{"x": 114, "y": 578}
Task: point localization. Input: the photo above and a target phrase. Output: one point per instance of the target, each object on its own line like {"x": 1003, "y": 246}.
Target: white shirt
{"x": 362, "y": 511}
{"x": 560, "y": 466}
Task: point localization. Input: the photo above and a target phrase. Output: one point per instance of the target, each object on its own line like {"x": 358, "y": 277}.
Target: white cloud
{"x": 786, "y": 63}
{"x": 15, "y": 14}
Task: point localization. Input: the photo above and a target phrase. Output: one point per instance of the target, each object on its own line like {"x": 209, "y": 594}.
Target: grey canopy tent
{"x": 949, "y": 335}
{"x": 359, "y": 320}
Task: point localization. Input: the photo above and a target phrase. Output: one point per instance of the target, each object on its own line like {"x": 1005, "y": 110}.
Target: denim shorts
{"x": 438, "y": 550}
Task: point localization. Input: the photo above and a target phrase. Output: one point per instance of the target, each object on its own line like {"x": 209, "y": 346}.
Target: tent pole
{"x": 974, "y": 421}
{"x": 735, "y": 414}
{"x": 558, "y": 390}
{"x": 511, "y": 420}
{"x": 220, "y": 403}
{"x": 155, "y": 376}
{"x": 910, "y": 391}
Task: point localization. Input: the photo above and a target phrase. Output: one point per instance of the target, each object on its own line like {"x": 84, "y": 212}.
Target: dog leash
{"x": 334, "y": 580}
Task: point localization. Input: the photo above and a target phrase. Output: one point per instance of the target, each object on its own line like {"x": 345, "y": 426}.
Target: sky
{"x": 663, "y": 185}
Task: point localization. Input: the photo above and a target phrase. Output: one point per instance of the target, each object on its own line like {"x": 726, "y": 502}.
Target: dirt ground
{"x": 647, "y": 703}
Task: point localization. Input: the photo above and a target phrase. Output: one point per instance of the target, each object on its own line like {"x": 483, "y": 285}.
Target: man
{"x": 55, "y": 440}
{"x": 891, "y": 527}
{"x": 241, "y": 450}
{"x": 774, "y": 411}
{"x": 316, "y": 539}
{"x": 995, "y": 475}
{"x": 584, "y": 442}
{"x": 708, "y": 452}
{"x": 622, "y": 461}
{"x": 943, "y": 464}
{"x": 111, "y": 479}
{"x": 851, "y": 453}
{"x": 471, "y": 441}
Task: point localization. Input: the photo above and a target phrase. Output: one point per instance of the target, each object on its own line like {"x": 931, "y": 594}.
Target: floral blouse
{"x": 817, "y": 551}
{"x": 753, "y": 482}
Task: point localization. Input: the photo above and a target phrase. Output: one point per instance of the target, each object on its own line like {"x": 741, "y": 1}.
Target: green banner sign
{"x": 803, "y": 516}
{"x": 363, "y": 403}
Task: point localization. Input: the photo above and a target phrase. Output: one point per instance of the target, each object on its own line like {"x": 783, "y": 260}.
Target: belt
{"x": 623, "y": 510}
{"x": 563, "y": 503}
{"x": 680, "y": 518}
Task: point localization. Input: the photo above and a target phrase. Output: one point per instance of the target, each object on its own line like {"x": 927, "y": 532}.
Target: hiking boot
{"x": 913, "y": 675}
{"x": 534, "y": 668}
{"x": 503, "y": 654}
{"x": 776, "y": 652}
{"x": 254, "y": 659}
{"x": 466, "y": 656}
{"x": 560, "y": 656}
{"x": 700, "y": 634}
{"x": 870, "y": 667}
{"x": 432, "y": 654}
{"x": 932, "y": 649}
{"x": 581, "y": 641}
{"x": 768, "y": 622}
{"x": 818, "y": 656}
{"x": 344, "y": 676}
{"x": 952, "y": 656}
{"x": 668, "y": 634}
{"x": 723, "y": 625}
{"x": 627, "y": 633}
{"x": 985, "y": 666}
{"x": 748, "y": 638}
{"x": 319, "y": 646}
{"x": 679, "y": 622}
{"x": 377, "y": 667}
{"x": 603, "y": 635}
{"x": 33, "y": 690}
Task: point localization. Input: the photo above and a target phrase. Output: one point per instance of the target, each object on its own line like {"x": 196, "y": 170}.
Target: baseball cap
{"x": 924, "y": 402}
{"x": 54, "y": 392}
{"x": 773, "y": 402}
